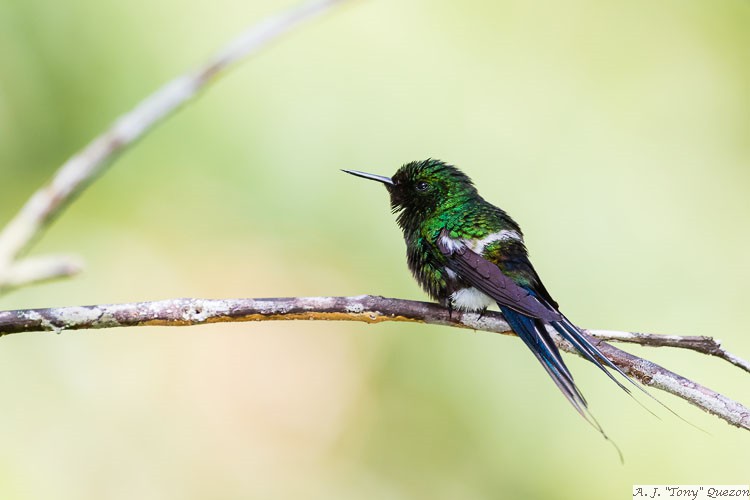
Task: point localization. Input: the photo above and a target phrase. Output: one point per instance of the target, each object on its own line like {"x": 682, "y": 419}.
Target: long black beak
{"x": 372, "y": 177}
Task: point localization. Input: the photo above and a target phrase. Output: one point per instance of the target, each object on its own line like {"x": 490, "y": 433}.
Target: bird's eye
{"x": 422, "y": 186}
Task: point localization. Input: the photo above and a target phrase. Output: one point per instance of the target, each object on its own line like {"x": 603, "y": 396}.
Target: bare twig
{"x": 79, "y": 170}
{"x": 699, "y": 343}
{"x": 367, "y": 308}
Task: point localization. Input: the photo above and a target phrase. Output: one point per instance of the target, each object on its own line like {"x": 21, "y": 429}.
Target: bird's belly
{"x": 470, "y": 299}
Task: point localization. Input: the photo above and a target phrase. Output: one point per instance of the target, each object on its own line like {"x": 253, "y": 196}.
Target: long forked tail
{"x": 534, "y": 334}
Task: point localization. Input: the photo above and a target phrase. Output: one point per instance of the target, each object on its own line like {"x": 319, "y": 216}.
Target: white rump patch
{"x": 470, "y": 299}
{"x": 505, "y": 234}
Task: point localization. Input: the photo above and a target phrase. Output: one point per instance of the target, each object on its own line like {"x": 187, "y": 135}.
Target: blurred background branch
{"x": 81, "y": 169}
{"x": 366, "y": 308}
{"x": 31, "y": 270}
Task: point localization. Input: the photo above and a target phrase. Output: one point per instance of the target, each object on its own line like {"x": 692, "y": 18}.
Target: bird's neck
{"x": 414, "y": 221}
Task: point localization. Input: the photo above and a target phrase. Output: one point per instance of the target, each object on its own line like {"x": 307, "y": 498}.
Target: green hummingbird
{"x": 469, "y": 255}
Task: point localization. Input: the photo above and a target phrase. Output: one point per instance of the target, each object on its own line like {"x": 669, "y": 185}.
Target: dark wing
{"x": 511, "y": 257}
{"x": 488, "y": 278}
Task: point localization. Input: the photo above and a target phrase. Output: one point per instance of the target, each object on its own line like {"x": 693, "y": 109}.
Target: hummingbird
{"x": 469, "y": 255}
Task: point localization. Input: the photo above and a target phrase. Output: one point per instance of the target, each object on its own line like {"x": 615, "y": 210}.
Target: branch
{"x": 698, "y": 343}
{"x": 366, "y": 308}
{"x": 73, "y": 176}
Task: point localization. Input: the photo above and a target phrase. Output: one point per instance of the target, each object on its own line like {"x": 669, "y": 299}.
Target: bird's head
{"x": 423, "y": 188}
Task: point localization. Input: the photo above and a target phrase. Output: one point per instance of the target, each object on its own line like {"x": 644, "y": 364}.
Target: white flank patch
{"x": 451, "y": 244}
{"x": 471, "y": 299}
{"x": 505, "y": 234}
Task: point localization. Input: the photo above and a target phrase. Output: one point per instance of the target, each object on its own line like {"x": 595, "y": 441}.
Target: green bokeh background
{"x": 616, "y": 133}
